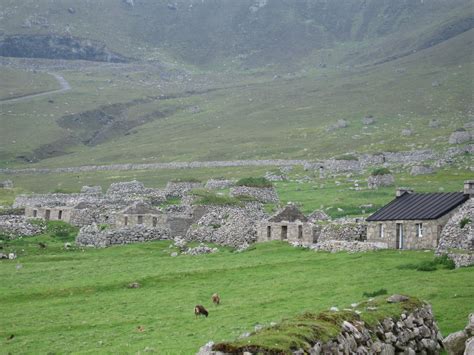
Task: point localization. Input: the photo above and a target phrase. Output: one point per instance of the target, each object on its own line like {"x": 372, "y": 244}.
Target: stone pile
{"x": 201, "y": 249}
{"x": 461, "y": 342}
{"x": 368, "y": 120}
{"x": 228, "y": 225}
{"x": 335, "y": 246}
{"x": 19, "y": 226}
{"x": 457, "y": 237}
{"x": 264, "y": 195}
{"x": 217, "y": 184}
{"x": 93, "y": 236}
{"x": 376, "y": 181}
{"x": 342, "y": 165}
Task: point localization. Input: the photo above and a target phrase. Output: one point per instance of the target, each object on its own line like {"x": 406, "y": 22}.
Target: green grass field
{"x": 62, "y": 301}
{"x": 18, "y": 83}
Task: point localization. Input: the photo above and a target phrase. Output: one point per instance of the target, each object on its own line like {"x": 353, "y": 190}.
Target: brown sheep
{"x": 199, "y": 310}
{"x": 216, "y": 299}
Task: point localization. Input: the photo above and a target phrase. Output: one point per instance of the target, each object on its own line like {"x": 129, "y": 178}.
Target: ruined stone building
{"x": 287, "y": 225}
{"x": 140, "y": 213}
{"x": 415, "y": 220}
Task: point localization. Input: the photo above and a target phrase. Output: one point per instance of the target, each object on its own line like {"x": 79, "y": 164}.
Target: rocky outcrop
{"x": 457, "y": 237}
{"x": 95, "y": 236}
{"x": 264, "y": 195}
{"x": 19, "y": 226}
{"x": 376, "y": 181}
{"x": 57, "y": 47}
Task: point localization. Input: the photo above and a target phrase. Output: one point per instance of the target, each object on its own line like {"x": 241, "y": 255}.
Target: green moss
{"x": 380, "y": 171}
{"x": 304, "y": 330}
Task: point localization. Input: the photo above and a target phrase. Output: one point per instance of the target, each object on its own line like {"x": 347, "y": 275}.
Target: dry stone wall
{"x": 19, "y": 226}
{"x": 264, "y": 195}
{"x": 457, "y": 237}
{"x": 412, "y": 332}
{"x": 93, "y": 236}
{"x": 340, "y": 230}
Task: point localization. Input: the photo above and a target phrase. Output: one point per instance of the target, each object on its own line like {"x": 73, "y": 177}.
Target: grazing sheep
{"x": 216, "y": 299}
{"x": 199, "y": 310}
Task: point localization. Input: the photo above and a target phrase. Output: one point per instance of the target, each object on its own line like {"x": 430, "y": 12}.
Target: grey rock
{"x": 454, "y": 343}
{"x": 397, "y": 299}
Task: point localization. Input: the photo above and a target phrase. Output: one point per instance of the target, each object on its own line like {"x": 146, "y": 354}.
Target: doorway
{"x": 47, "y": 215}
{"x": 284, "y": 232}
{"x": 400, "y": 236}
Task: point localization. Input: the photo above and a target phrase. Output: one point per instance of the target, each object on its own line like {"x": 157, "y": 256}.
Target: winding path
{"x": 64, "y": 87}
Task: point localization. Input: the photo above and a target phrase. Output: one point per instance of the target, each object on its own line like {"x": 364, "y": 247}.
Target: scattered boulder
{"x": 459, "y": 137}
{"x": 338, "y": 125}
{"x": 407, "y": 132}
{"x": 201, "y": 249}
{"x": 71, "y": 10}
{"x": 434, "y": 124}
{"x": 368, "y": 120}
{"x": 134, "y": 285}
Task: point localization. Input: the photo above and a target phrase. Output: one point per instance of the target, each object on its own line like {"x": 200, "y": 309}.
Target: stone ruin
{"x": 264, "y": 195}
{"x": 457, "y": 237}
{"x": 376, "y": 181}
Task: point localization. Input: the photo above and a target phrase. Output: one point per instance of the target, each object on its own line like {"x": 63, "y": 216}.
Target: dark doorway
{"x": 47, "y": 215}
{"x": 284, "y": 232}
{"x": 60, "y": 214}
{"x": 269, "y": 232}
{"x": 300, "y": 232}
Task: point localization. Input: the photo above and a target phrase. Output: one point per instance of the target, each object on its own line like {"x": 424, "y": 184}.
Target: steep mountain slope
{"x": 248, "y": 32}
{"x": 239, "y": 79}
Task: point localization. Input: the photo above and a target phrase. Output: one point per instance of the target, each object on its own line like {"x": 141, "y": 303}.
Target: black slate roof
{"x": 415, "y": 206}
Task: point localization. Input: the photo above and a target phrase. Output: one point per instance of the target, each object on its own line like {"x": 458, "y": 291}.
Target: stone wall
{"x": 179, "y": 189}
{"x": 342, "y": 231}
{"x": 456, "y": 241}
{"x": 18, "y": 226}
{"x": 7, "y": 184}
{"x": 336, "y": 246}
{"x": 299, "y": 232}
{"x": 93, "y": 236}
{"x": 264, "y": 195}
{"x": 414, "y": 331}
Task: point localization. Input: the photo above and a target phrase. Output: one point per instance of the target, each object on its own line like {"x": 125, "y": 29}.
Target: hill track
{"x": 65, "y": 86}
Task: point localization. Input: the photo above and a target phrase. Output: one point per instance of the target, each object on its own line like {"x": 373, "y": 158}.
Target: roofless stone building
{"x": 287, "y": 225}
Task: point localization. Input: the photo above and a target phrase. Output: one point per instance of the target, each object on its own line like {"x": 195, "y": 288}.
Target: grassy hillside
{"x": 18, "y": 83}
{"x": 54, "y": 300}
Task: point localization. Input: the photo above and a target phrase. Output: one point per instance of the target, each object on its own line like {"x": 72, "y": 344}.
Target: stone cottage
{"x": 415, "y": 220}
{"x": 140, "y": 213}
{"x": 287, "y": 225}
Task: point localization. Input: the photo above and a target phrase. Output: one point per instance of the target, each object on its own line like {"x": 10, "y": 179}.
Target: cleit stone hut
{"x": 287, "y": 225}
{"x": 141, "y": 213}
{"x": 415, "y": 220}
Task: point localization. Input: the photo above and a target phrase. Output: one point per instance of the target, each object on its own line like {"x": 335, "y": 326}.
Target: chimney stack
{"x": 402, "y": 191}
{"x": 469, "y": 188}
